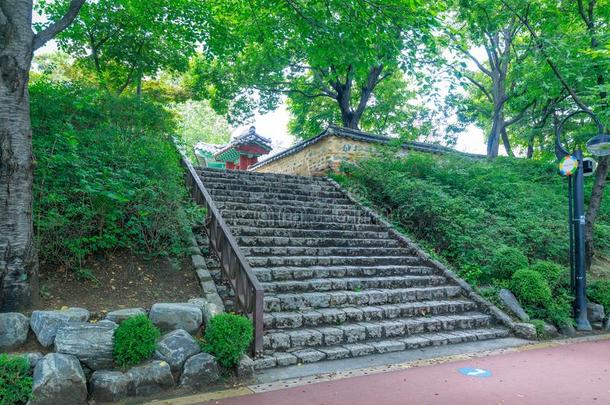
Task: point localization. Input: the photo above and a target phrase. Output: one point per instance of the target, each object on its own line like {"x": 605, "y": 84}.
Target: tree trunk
{"x": 530, "y": 148}
{"x": 18, "y": 258}
{"x": 506, "y": 142}
{"x": 594, "y": 203}
{"x": 493, "y": 142}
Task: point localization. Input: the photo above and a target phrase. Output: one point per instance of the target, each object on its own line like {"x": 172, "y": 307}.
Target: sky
{"x": 274, "y": 125}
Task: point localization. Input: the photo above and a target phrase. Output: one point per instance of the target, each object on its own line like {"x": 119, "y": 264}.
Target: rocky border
{"x": 523, "y": 330}
{"x": 80, "y": 365}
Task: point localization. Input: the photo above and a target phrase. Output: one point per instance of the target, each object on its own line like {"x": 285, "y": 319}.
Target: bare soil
{"x": 118, "y": 280}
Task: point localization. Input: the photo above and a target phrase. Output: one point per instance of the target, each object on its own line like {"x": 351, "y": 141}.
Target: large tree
{"x": 336, "y": 50}
{"x": 572, "y": 39}
{"x": 488, "y": 26}
{"x": 122, "y": 41}
{"x": 18, "y": 257}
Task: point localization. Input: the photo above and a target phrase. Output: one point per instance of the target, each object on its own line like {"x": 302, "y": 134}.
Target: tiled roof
{"x": 364, "y": 137}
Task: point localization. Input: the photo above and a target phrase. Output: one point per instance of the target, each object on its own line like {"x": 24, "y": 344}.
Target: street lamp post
{"x": 598, "y": 145}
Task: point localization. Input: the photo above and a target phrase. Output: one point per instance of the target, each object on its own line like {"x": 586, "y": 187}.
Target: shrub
{"x": 531, "y": 289}
{"x": 15, "y": 384}
{"x": 599, "y": 292}
{"x": 504, "y": 263}
{"x": 107, "y": 175}
{"x": 227, "y": 337}
{"x": 134, "y": 341}
{"x": 552, "y": 272}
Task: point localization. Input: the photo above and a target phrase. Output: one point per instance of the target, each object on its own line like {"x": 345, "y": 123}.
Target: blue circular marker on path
{"x": 475, "y": 372}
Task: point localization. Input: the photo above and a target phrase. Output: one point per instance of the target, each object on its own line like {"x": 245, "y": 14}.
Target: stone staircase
{"x": 338, "y": 282}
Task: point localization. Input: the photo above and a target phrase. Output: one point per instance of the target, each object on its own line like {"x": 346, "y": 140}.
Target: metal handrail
{"x": 248, "y": 291}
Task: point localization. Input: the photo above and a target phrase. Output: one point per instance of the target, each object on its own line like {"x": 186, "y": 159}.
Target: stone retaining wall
{"x": 80, "y": 365}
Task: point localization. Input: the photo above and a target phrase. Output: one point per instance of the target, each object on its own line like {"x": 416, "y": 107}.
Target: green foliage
{"x": 121, "y": 41}
{"x": 467, "y": 209}
{"x": 15, "y": 384}
{"x": 552, "y": 273}
{"x": 107, "y": 175}
{"x": 134, "y": 341}
{"x": 531, "y": 289}
{"x": 599, "y": 292}
{"x": 227, "y": 337}
{"x": 478, "y": 215}
{"x": 256, "y": 54}
{"x": 198, "y": 122}
{"x": 504, "y": 263}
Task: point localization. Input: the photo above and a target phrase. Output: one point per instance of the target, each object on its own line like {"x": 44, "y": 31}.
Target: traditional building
{"x": 243, "y": 151}
{"x": 326, "y": 151}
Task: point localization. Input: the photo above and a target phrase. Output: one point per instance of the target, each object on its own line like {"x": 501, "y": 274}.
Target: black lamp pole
{"x": 576, "y": 223}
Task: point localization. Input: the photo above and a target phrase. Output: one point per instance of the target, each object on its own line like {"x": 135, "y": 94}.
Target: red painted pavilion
{"x": 244, "y": 150}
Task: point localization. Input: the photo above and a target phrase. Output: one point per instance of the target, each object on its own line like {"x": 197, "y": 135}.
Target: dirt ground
{"x": 118, "y": 280}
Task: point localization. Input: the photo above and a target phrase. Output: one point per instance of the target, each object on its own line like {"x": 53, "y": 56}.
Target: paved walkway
{"x": 569, "y": 374}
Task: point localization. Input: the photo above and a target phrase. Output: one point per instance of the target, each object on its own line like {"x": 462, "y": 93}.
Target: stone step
{"x": 245, "y": 230}
{"x": 338, "y": 299}
{"x": 224, "y": 195}
{"x": 267, "y": 186}
{"x": 291, "y": 191}
{"x": 291, "y": 216}
{"x": 312, "y": 208}
{"x": 304, "y": 273}
{"x": 323, "y": 251}
{"x": 369, "y": 347}
{"x": 245, "y": 175}
{"x": 313, "y": 318}
{"x": 313, "y": 203}
{"x": 250, "y": 241}
{"x": 351, "y": 283}
{"x": 301, "y": 261}
{"x": 355, "y": 332}
{"x": 355, "y": 228}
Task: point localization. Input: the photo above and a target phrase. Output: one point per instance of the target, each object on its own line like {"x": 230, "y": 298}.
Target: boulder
{"x": 151, "y": 378}
{"x": 168, "y": 317}
{"x": 59, "y": 379}
{"x": 606, "y": 324}
{"x": 91, "y": 343}
{"x": 46, "y": 323}
{"x": 199, "y": 371}
{"x": 120, "y": 315}
{"x": 567, "y": 329}
{"x": 14, "y": 329}
{"x": 208, "y": 309}
{"x": 595, "y": 312}
{"x": 510, "y": 301}
{"x": 550, "y": 330}
{"x": 526, "y": 331}
{"x": 175, "y": 348}
{"x": 109, "y": 386}
{"x": 245, "y": 368}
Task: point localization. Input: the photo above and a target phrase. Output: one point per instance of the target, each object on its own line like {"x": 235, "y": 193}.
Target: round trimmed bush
{"x": 550, "y": 271}
{"x": 227, "y": 337}
{"x": 531, "y": 289}
{"x": 504, "y": 263}
{"x": 135, "y": 340}
{"x": 15, "y": 384}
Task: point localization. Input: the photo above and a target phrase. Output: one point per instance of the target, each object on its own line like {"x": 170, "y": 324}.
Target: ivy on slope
{"x": 465, "y": 209}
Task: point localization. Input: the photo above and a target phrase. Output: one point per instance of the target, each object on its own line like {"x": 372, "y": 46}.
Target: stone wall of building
{"x": 320, "y": 157}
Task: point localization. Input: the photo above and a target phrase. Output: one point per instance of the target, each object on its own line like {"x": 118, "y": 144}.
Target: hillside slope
{"x": 471, "y": 212}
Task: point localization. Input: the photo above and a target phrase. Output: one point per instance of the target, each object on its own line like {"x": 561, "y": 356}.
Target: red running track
{"x": 569, "y": 374}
